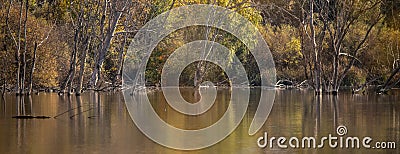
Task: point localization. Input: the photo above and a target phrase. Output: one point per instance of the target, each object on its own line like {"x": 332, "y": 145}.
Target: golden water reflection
{"x": 100, "y": 123}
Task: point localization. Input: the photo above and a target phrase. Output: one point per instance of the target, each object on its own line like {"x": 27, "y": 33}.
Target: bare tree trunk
{"x": 96, "y": 70}
{"x": 72, "y": 68}
{"x": 71, "y": 73}
{"x": 4, "y": 31}
{"x": 32, "y": 69}
{"x": 117, "y": 79}
{"x": 302, "y": 41}
{"x": 305, "y": 59}
{"x": 69, "y": 80}
{"x": 4, "y": 88}
{"x": 102, "y": 52}
{"x": 317, "y": 69}
{"x": 17, "y": 54}
{"x": 88, "y": 42}
{"x": 335, "y": 75}
{"x": 201, "y": 67}
{"x": 82, "y": 66}
{"x": 25, "y": 48}
{"x": 198, "y": 77}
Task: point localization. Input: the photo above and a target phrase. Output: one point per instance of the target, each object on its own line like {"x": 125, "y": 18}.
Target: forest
{"x": 73, "y": 46}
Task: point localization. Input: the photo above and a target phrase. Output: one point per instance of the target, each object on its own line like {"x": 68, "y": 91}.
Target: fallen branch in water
{"x": 67, "y": 111}
{"x": 91, "y": 117}
{"x": 83, "y": 112}
{"x": 30, "y": 117}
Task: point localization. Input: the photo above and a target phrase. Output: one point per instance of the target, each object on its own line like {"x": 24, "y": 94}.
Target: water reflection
{"x": 3, "y": 105}
{"x": 100, "y": 123}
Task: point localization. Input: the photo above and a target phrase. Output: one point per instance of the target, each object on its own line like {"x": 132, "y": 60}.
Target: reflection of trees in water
{"x": 321, "y": 104}
{"x": 318, "y": 100}
{"x": 21, "y": 123}
{"x": 4, "y": 106}
{"x": 296, "y": 113}
{"x": 334, "y": 103}
{"x": 22, "y": 108}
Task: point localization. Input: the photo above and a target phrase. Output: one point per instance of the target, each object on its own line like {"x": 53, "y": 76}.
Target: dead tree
{"x": 317, "y": 66}
{"x": 23, "y": 59}
{"x": 346, "y": 15}
{"x": 17, "y": 53}
{"x": 68, "y": 81}
{"x": 106, "y": 40}
{"x": 32, "y": 69}
{"x": 387, "y": 86}
{"x": 82, "y": 66}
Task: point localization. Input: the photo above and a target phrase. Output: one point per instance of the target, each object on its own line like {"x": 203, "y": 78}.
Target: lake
{"x": 100, "y": 122}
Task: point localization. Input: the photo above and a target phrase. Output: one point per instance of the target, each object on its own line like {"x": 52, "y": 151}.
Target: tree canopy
{"x": 80, "y": 45}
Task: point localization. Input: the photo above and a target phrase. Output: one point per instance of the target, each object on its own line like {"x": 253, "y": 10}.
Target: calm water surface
{"x": 100, "y": 122}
